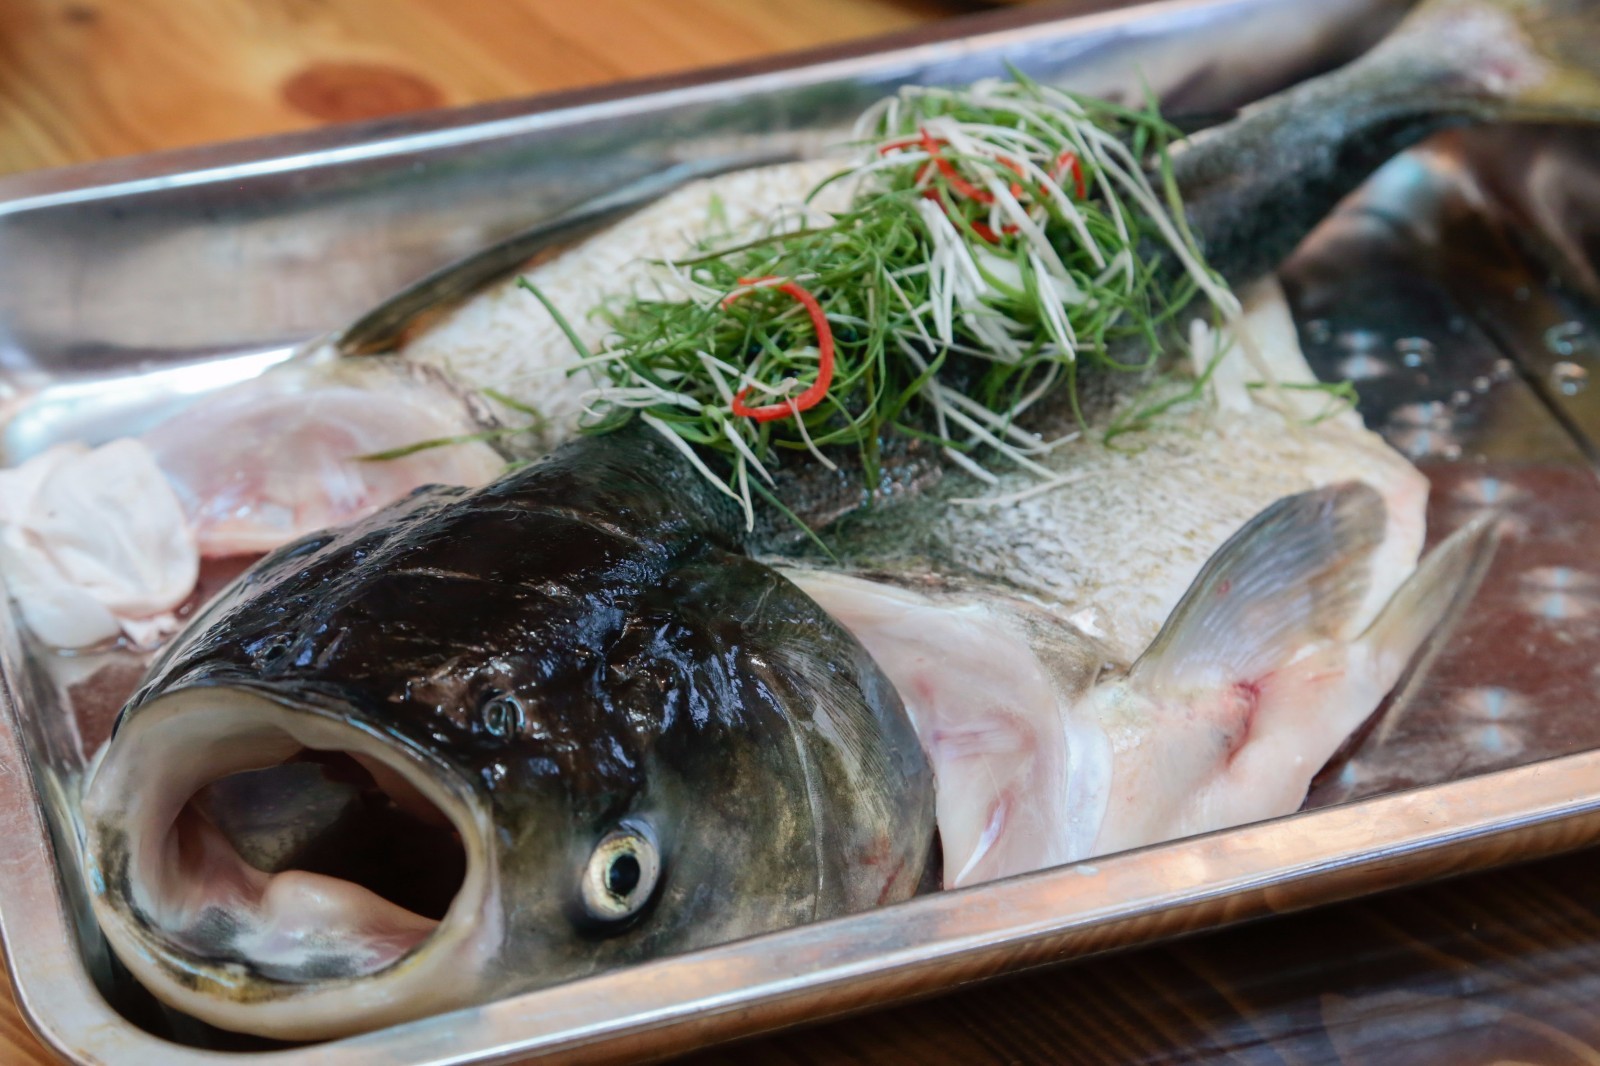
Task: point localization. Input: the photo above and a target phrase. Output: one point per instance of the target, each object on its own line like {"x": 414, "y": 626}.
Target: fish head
{"x": 485, "y": 742}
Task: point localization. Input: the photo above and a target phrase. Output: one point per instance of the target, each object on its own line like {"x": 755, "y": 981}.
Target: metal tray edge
{"x": 349, "y": 142}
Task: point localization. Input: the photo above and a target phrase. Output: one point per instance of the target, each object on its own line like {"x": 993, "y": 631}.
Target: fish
{"x": 613, "y": 720}
{"x": 484, "y": 741}
{"x": 488, "y": 740}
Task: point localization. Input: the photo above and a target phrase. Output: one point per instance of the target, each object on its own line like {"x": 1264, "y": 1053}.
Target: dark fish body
{"x": 575, "y": 659}
{"x": 1254, "y": 187}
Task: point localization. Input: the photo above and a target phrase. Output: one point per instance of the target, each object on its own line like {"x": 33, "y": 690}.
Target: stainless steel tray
{"x": 1459, "y": 291}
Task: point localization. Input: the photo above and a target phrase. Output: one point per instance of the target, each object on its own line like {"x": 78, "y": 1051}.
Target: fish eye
{"x": 621, "y": 874}
{"x": 502, "y": 716}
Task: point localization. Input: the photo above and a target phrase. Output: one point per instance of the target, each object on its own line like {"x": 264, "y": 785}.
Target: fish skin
{"x": 1254, "y": 186}
{"x": 664, "y": 679}
{"x": 1119, "y": 544}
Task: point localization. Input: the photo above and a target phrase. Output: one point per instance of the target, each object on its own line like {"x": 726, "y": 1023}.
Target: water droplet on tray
{"x": 1504, "y": 370}
{"x": 1429, "y": 413}
{"x": 1569, "y": 379}
{"x": 1487, "y": 492}
{"x": 1364, "y": 366}
{"x": 1481, "y": 383}
{"x": 1491, "y": 703}
{"x": 1414, "y": 351}
{"x": 1423, "y": 431}
{"x": 1509, "y": 500}
{"x": 1496, "y": 740}
{"x": 1359, "y": 340}
{"x": 1560, "y": 593}
{"x": 1319, "y": 331}
{"x": 1565, "y": 338}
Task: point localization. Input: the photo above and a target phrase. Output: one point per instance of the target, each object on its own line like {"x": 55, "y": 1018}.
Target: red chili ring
{"x": 818, "y": 388}
{"x": 1068, "y": 160}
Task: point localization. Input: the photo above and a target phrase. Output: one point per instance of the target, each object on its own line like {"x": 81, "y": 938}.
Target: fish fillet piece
{"x": 273, "y": 459}
{"x": 95, "y": 544}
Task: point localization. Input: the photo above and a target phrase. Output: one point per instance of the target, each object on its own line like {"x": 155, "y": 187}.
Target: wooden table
{"x": 1503, "y": 967}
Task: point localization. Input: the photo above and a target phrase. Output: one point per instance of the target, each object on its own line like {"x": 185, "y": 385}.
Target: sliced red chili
{"x": 952, "y": 175}
{"x": 902, "y": 143}
{"x": 818, "y": 388}
{"x": 1068, "y": 160}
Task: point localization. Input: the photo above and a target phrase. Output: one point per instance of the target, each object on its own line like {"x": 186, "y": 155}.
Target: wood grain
{"x": 1500, "y": 967}
{"x": 82, "y": 80}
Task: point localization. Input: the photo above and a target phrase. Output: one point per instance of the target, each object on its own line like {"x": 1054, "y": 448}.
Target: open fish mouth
{"x": 267, "y": 866}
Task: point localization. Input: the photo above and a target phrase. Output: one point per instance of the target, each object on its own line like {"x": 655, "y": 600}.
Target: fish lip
{"x": 449, "y": 968}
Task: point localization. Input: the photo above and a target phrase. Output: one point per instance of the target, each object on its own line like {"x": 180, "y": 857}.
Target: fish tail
{"x": 1255, "y": 186}
{"x": 1496, "y": 60}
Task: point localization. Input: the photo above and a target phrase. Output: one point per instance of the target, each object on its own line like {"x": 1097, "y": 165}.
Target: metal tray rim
{"x": 351, "y": 142}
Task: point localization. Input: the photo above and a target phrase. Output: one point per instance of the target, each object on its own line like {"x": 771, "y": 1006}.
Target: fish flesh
{"x": 272, "y": 459}
{"x": 95, "y": 545}
{"x": 105, "y": 543}
{"x": 553, "y": 726}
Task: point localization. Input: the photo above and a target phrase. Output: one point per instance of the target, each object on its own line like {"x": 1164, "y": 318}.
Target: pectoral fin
{"x": 1254, "y": 682}
{"x": 1293, "y": 576}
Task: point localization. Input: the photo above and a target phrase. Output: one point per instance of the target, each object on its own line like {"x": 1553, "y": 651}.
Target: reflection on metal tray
{"x": 1472, "y": 355}
{"x": 1458, "y": 292}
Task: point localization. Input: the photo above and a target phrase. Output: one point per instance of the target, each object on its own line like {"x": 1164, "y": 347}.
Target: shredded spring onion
{"x": 999, "y": 241}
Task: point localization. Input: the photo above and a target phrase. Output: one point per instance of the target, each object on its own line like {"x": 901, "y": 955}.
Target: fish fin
{"x": 1517, "y": 60}
{"x": 1445, "y": 580}
{"x": 1295, "y": 574}
{"x": 1409, "y": 632}
{"x": 1430, "y": 602}
{"x": 1254, "y": 683}
{"x": 1449, "y": 62}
